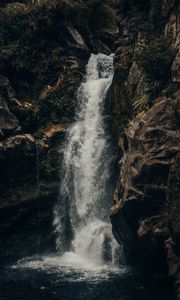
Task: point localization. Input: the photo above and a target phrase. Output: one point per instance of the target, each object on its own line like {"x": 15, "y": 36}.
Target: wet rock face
{"x": 29, "y": 185}
{"x": 150, "y": 146}
{"x": 144, "y": 100}
{"x": 147, "y": 213}
{"x": 29, "y": 180}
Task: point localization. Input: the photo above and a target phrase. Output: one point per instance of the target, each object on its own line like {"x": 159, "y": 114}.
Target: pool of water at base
{"x": 51, "y": 279}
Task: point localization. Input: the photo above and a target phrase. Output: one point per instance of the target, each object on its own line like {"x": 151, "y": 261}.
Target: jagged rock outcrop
{"x": 145, "y": 101}
{"x": 146, "y": 60}
{"x": 147, "y": 209}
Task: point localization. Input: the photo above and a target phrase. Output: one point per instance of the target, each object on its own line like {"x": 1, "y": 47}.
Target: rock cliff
{"x": 145, "y": 101}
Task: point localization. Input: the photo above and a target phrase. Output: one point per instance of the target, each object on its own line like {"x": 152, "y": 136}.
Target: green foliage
{"x": 141, "y": 102}
{"x": 156, "y": 58}
{"x": 58, "y": 105}
{"x": 35, "y": 42}
{"x": 13, "y": 22}
{"x": 146, "y": 17}
{"x": 33, "y": 38}
{"x": 103, "y": 15}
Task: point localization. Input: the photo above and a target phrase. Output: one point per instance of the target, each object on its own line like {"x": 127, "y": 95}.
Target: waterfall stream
{"x": 81, "y": 215}
{"x": 84, "y": 266}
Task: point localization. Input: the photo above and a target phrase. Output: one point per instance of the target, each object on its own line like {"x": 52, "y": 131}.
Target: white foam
{"x": 70, "y": 267}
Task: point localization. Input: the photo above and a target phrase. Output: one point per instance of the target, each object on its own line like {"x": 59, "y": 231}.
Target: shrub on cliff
{"x": 39, "y": 42}
{"x": 34, "y": 38}
{"x": 103, "y": 14}
{"x": 13, "y": 22}
{"x": 156, "y": 58}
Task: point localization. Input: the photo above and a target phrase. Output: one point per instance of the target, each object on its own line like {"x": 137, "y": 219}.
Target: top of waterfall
{"x": 99, "y": 66}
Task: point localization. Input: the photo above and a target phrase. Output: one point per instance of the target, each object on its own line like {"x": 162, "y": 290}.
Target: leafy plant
{"x": 156, "y": 58}
{"x": 141, "y": 102}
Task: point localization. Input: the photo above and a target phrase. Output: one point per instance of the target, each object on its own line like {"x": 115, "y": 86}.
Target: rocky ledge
{"x": 146, "y": 214}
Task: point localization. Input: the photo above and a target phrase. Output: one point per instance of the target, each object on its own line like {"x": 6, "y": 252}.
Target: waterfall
{"x": 81, "y": 214}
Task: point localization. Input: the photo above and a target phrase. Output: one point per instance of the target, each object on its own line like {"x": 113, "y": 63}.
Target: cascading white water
{"x": 82, "y": 198}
